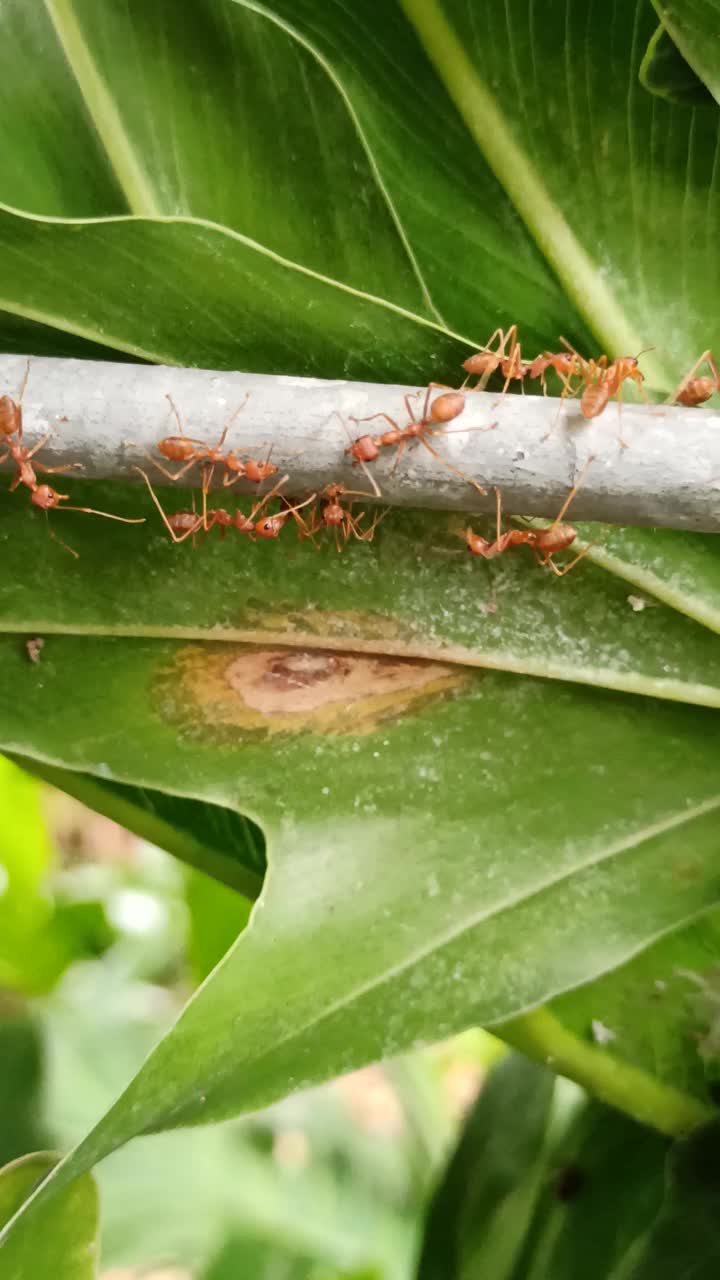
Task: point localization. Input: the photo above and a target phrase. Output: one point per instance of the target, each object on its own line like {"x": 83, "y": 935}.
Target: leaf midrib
{"x": 470, "y": 923}
{"x": 513, "y": 167}
{"x": 131, "y": 175}
{"x": 631, "y": 682}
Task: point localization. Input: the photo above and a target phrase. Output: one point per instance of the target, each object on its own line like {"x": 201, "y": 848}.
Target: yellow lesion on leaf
{"x": 228, "y": 688}
{"x": 354, "y": 624}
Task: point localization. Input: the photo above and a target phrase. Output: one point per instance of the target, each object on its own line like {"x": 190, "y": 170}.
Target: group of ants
{"x": 594, "y": 381}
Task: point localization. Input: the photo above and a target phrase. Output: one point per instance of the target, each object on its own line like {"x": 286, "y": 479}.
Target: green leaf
{"x": 64, "y": 1245}
{"x": 479, "y": 1214}
{"x": 562, "y": 892}
{"x": 244, "y": 1256}
{"x": 385, "y": 597}
{"x": 223, "y": 844}
{"x": 665, "y": 72}
{"x": 685, "y": 1240}
{"x": 34, "y": 945}
{"x": 439, "y": 816}
{"x": 693, "y": 26}
{"x": 602, "y": 1189}
{"x": 217, "y": 916}
{"x": 21, "y": 1062}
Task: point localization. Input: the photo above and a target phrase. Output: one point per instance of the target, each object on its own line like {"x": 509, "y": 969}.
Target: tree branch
{"x": 110, "y": 416}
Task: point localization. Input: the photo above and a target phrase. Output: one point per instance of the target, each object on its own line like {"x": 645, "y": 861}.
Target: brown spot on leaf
{"x": 220, "y": 689}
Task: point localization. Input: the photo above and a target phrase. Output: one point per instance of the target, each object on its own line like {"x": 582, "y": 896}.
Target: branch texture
{"x": 109, "y": 417}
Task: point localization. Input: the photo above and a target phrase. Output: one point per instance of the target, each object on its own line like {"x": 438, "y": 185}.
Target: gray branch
{"x": 110, "y": 416}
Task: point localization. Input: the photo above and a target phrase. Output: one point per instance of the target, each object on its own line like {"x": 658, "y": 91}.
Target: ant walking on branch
{"x": 445, "y": 408}
{"x": 486, "y": 361}
{"x": 188, "y": 450}
{"x": 42, "y": 496}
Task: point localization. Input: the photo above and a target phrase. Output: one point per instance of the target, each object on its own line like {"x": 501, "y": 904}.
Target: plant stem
{"x": 104, "y": 111}
{"x": 541, "y": 1035}
{"x": 111, "y": 416}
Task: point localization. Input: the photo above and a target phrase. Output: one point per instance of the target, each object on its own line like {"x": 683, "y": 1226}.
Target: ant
{"x": 694, "y": 391}
{"x": 565, "y": 365}
{"x": 484, "y": 363}
{"x": 48, "y": 499}
{"x": 443, "y": 409}
{"x": 544, "y": 543}
{"x": 603, "y": 381}
{"x": 185, "y": 524}
{"x": 22, "y": 457}
{"x": 333, "y": 515}
{"x": 11, "y": 425}
{"x": 250, "y": 469}
{"x": 188, "y": 450}
{"x": 11, "y": 410}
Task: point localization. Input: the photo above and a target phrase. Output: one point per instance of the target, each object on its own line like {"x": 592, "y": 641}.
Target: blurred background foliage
{"x": 102, "y": 940}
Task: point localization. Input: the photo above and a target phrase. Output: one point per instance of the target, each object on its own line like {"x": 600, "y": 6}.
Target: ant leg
{"x": 55, "y": 538}
{"x": 623, "y": 443}
{"x": 39, "y": 445}
{"x": 164, "y": 518}
{"x": 369, "y": 533}
{"x": 24, "y": 383}
{"x": 231, "y": 419}
{"x": 573, "y": 492}
{"x": 371, "y": 416}
{"x": 170, "y": 475}
{"x": 568, "y": 392}
{"x": 207, "y": 476}
{"x": 410, "y": 410}
{"x": 398, "y": 455}
{"x": 560, "y": 573}
{"x": 451, "y": 467}
{"x": 55, "y": 471}
{"x": 107, "y": 515}
{"x": 176, "y": 412}
{"x": 498, "y": 514}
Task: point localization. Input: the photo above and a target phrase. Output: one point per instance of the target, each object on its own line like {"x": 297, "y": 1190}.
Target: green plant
{"x": 499, "y": 817}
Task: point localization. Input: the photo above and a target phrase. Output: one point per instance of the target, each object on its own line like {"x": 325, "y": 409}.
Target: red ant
{"x": 484, "y": 363}
{"x": 185, "y": 524}
{"x": 11, "y": 410}
{"x": 11, "y": 424}
{"x": 48, "y": 499}
{"x": 694, "y": 391}
{"x": 544, "y": 543}
{"x": 565, "y": 365}
{"x": 604, "y": 380}
{"x": 25, "y": 473}
{"x": 188, "y": 450}
{"x": 443, "y": 409}
{"x": 333, "y": 515}
{"x": 251, "y": 470}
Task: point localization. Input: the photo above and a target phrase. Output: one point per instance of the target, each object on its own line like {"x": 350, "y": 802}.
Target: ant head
{"x": 270, "y": 526}
{"x": 46, "y": 498}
